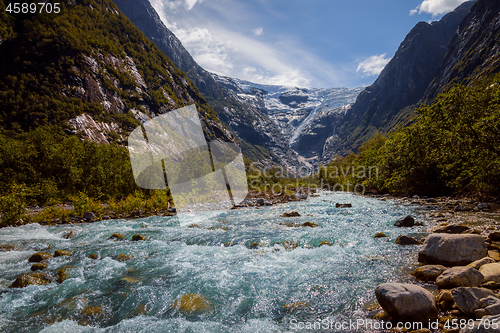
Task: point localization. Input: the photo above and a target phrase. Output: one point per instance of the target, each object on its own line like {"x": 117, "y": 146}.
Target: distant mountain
{"x": 90, "y": 70}
{"x": 304, "y": 115}
{"x": 474, "y": 50}
{"x": 402, "y": 84}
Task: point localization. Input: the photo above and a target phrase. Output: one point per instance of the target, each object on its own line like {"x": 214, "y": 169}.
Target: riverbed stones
{"x": 407, "y": 240}
{"x": 40, "y": 256}
{"x": 89, "y": 216}
{"x": 92, "y": 256}
{"x": 406, "y": 302}
{"x": 62, "y": 275}
{"x": 340, "y": 205}
{"x": 291, "y": 214}
{"x": 380, "y": 235}
{"x": 452, "y": 250}
{"x": 452, "y": 229}
{"x": 469, "y": 299}
{"x": 493, "y": 254}
{"x": 459, "y": 276}
{"x": 494, "y": 236}
{"x": 6, "y": 248}
{"x": 428, "y": 273}
{"x": 117, "y": 237}
{"x": 38, "y": 278}
{"x": 62, "y": 253}
{"x": 39, "y": 266}
{"x": 297, "y": 306}
{"x": 481, "y": 262}
{"x": 123, "y": 257}
{"x": 491, "y": 272}
{"x": 136, "y": 238}
{"x": 192, "y": 303}
{"x": 407, "y": 222}
{"x": 309, "y": 224}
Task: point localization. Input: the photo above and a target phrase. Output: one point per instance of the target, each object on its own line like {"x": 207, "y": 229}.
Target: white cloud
{"x": 437, "y": 7}
{"x": 258, "y": 32}
{"x": 373, "y": 65}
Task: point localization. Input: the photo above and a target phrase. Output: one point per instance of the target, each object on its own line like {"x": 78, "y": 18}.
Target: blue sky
{"x": 315, "y": 43}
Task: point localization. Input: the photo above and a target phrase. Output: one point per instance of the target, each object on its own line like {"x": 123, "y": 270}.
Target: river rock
{"x": 380, "y": 235}
{"x": 261, "y": 201}
{"x": 459, "y": 276}
{"x": 406, "y": 240}
{"x": 452, "y": 250}
{"x": 405, "y": 223}
{"x": 38, "y": 278}
{"x": 325, "y": 243}
{"x": 89, "y": 216}
{"x": 92, "y": 256}
{"x": 61, "y": 253}
{"x": 39, "y": 266}
{"x": 62, "y": 275}
{"x": 452, "y": 229}
{"x": 123, "y": 257}
{"x": 291, "y": 214}
{"x": 491, "y": 272}
{"x": 469, "y": 299}
{"x": 297, "y": 306}
{"x": 192, "y": 303}
{"x": 428, "y": 273}
{"x": 6, "y": 248}
{"x": 339, "y": 205}
{"x": 40, "y": 256}
{"x": 116, "y": 237}
{"x": 406, "y": 302}
{"x": 444, "y": 295}
{"x": 494, "y": 236}
{"x": 309, "y": 224}
{"x": 478, "y": 263}
{"x": 495, "y": 255}
{"x": 483, "y": 206}
{"x": 136, "y": 238}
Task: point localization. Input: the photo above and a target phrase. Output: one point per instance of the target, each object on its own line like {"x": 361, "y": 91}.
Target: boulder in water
{"x": 406, "y": 240}
{"x": 61, "y": 253}
{"x": 40, "y": 256}
{"x": 39, "y": 266}
{"x": 136, "y": 238}
{"x": 116, "y": 237}
{"x": 38, "y": 278}
{"x": 380, "y": 235}
{"x": 291, "y": 214}
{"x": 192, "y": 303}
{"x": 405, "y": 223}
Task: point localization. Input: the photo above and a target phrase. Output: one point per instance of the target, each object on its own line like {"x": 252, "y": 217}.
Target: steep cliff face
{"x": 474, "y": 50}
{"x": 90, "y": 70}
{"x": 403, "y": 81}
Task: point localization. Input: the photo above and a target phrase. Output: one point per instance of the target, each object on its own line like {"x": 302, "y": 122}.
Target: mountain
{"x": 258, "y": 136}
{"x": 91, "y": 71}
{"x": 304, "y": 115}
{"x": 474, "y": 50}
{"x": 390, "y": 100}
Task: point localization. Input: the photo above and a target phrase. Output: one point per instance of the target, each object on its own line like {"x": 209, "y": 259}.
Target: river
{"x": 246, "y": 287}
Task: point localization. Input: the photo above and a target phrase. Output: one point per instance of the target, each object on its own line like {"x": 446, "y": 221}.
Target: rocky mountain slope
{"x": 403, "y": 82}
{"x": 258, "y": 136}
{"x": 90, "y": 70}
{"x": 474, "y": 50}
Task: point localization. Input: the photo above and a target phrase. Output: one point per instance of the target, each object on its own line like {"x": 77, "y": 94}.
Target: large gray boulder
{"x": 459, "y": 276}
{"x": 452, "y": 250}
{"x": 406, "y": 302}
{"x": 469, "y": 299}
{"x": 491, "y": 272}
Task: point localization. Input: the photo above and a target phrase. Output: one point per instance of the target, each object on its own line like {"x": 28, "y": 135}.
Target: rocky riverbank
{"x": 456, "y": 287}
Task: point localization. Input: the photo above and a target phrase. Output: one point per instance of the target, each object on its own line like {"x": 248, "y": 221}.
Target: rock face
{"x": 452, "y": 250}
{"x": 428, "y": 273}
{"x": 459, "y": 276}
{"x": 405, "y": 223}
{"x": 406, "y": 302}
{"x": 403, "y": 81}
{"x": 473, "y": 51}
{"x": 469, "y": 299}
{"x": 491, "y": 272}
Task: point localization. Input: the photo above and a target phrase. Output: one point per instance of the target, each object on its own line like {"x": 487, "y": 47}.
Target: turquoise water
{"x": 246, "y": 288}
